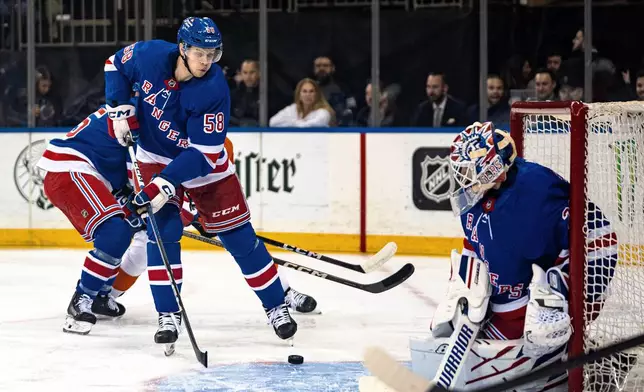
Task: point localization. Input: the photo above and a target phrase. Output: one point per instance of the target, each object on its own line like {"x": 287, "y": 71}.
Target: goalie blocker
{"x": 455, "y": 363}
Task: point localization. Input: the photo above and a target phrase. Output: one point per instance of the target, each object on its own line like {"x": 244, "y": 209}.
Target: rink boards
{"x": 323, "y": 191}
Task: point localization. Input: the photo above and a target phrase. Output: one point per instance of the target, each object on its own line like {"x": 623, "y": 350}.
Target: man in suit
{"x": 440, "y": 109}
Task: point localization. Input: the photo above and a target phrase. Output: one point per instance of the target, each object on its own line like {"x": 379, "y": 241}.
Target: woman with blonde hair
{"x": 310, "y": 108}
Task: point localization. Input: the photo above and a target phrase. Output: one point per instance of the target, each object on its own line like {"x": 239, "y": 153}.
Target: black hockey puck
{"x": 296, "y": 359}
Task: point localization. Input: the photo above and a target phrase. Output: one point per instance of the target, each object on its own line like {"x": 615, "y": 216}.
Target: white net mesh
{"x": 615, "y": 187}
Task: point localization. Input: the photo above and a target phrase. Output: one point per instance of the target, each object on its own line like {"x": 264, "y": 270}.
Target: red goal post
{"x": 599, "y": 149}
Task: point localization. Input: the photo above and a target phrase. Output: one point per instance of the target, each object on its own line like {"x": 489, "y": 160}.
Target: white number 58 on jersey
{"x": 213, "y": 122}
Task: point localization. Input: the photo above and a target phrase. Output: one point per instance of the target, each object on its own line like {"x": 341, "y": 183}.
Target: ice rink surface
{"x": 228, "y": 322}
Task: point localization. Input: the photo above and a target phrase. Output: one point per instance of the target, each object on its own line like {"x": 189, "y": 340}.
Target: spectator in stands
{"x": 310, "y": 108}
{"x": 498, "y": 110}
{"x": 245, "y": 96}
{"x": 340, "y": 100}
{"x": 553, "y": 62}
{"x": 639, "y": 85}
{"x": 389, "y": 116}
{"x": 517, "y": 73}
{"x": 440, "y": 109}
{"x": 572, "y": 85}
{"x": 545, "y": 83}
{"x": 47, "y": 108}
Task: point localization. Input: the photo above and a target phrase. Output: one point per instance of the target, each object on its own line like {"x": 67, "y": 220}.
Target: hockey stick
{"x": 378, "y": 287}
{"x": 371, "y": 264}
{"x": 202, "y": 356}
{"x": 458, "y": 349}
{"x": 398, "y": 376}
{"x": 403, "y": 380}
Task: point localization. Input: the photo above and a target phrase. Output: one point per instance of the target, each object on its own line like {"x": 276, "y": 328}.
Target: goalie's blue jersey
{"x": 526, "y": 222}
{"x": 183, "y": 125}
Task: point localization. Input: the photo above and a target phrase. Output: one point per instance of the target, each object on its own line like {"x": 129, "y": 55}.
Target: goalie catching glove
{"x": 547, "y": 323}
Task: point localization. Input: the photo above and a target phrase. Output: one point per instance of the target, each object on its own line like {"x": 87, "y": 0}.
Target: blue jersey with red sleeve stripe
{"x": 88, "y": 148}
{"x": 526, "y": 222}
{"x": 182, "y": 124}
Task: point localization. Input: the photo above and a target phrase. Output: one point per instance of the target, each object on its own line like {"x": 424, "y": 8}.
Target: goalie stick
{"x": 399, "y": 377}
{"x": 404, "y": 380}
{"x": 377, "y": 287}
{"x": 202, "y": 356}
{"x": 371, "y": 264}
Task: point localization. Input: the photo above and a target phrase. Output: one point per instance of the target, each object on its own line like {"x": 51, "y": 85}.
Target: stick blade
{"x": 392, "y": 373}
{"x": 202, "y": 357}
{"x": 379, "y": 259}
{"x": 393, "y": 280}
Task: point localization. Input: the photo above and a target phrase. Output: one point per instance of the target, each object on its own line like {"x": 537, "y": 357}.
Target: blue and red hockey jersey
{"x": 88, "y": 148}
{"x": 526, "y": 222}
{"x": 182, "y": 125}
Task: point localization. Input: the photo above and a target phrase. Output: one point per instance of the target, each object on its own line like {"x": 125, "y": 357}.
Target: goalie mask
{"x": 479, "y": 158}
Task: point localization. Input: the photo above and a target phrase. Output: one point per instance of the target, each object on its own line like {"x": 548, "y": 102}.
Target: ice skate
{"x": 300, "y": 302}
{"x": 168, "y": 332}
{"x": 105, "y": 305}
{"x": 282, "y": 322}
{"x": 80, "y": 318}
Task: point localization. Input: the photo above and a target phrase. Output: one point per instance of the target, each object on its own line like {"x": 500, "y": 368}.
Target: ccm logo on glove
{"x": 155, "y": 194}
{"x": 121, "y": 123}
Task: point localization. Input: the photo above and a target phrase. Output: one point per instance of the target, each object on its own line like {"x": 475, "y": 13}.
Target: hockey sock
{"x": 255, "y": 263}
{"x": 162, "y": 293}
{"x": 122, "y": 283}
{"x": 133, "y": 264}
{"x": 111, "y": 240}
{"x": 282, "y": 274}
{"x": 107, "y": 286}
{"x": 171, "y": 229}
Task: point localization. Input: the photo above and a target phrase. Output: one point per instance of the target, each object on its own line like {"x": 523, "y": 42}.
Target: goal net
{"x": 599, "y": 148}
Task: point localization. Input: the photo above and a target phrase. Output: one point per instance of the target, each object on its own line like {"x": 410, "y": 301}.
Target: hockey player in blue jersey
{"x": 515, "y": 217}
{"x": 87, "y": 180}
{"x": 182, "y": 119}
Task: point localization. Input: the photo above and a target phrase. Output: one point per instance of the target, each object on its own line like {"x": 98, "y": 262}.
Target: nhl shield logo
{"x": 434, "y": 177}
{"x": 432, "y": 183}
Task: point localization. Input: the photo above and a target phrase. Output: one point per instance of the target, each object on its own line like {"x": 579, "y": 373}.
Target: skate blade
{"x": 77, "y": 327}
{"x": 168, "y": 349}
{"x": 315, "y": 312}
{"x": 104, "y": 317}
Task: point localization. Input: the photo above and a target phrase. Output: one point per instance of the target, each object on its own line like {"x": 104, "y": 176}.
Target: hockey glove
{"x": 547, "y": 323}
{"x": 122, "y": 123}
{"x": 124, "y": 197}
{"x": 155, "y": 194}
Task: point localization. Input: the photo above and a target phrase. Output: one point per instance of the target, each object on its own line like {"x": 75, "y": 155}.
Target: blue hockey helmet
{"x": 201, "y": 33}
{"x": 479, "y": 157}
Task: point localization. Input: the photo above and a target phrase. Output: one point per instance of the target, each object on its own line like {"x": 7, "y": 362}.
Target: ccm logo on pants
{"x": 225, "y": 211}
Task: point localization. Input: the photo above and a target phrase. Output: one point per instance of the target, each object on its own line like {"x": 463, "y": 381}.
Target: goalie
{"x": 515, "y": 217}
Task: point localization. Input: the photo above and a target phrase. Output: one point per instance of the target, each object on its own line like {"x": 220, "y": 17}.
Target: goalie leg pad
{"x": 489, "y": 362}
{"x": 476, "y": 289}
